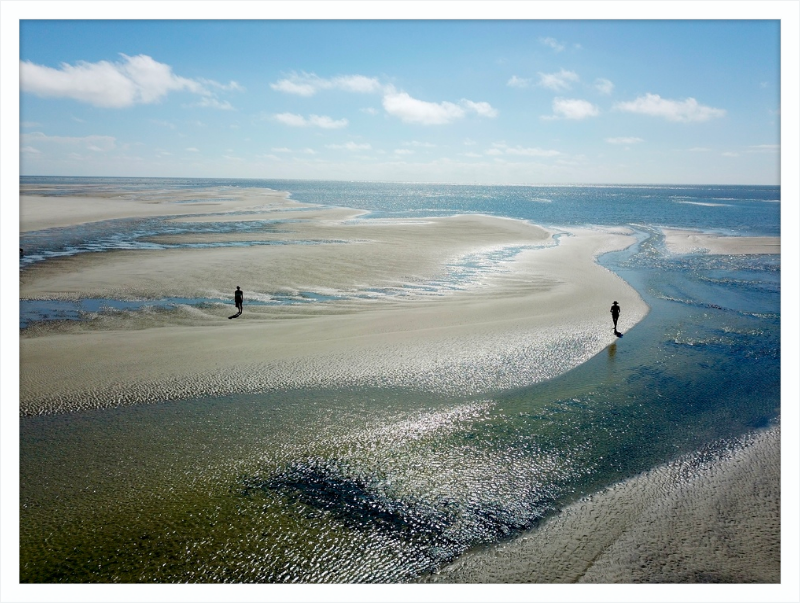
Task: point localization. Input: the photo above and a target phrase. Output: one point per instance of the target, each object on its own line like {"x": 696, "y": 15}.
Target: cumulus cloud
{"x": 308, "y": 84}
{"x": 570, "y": 108}
{"x": 552, "y": 43}
{"x": 518, "y": 82}
{"x": 133, "y": 80}
{"x": 319, "y": 121}
{"x": 603, "y": 85}
{"x": 482, "y": 108}
{"x": 412, "y": 110}
{"x": 686, "y": 111}
{"x": 560, "y": 81}
{"x": 396, "y": 103}
{"x": 624, "y": 140}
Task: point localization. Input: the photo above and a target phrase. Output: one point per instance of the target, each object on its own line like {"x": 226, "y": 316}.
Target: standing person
{"x": 615, "y": 309}
{"x": 238, "y": 298}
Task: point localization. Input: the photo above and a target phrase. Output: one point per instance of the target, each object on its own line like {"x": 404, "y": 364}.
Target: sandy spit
{"x": 536, "y": 315}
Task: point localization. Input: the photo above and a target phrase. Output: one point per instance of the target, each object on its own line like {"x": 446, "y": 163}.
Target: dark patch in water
{"x": 362, "y": 501}
{"x": 441, "y": 529}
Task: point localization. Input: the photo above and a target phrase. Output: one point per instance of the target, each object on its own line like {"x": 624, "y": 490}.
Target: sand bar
{"x": 689, "y": 241}
{"x": 523, "y": 319}
{"x": 40, "y": 211}
{"x": 708, "y": 517}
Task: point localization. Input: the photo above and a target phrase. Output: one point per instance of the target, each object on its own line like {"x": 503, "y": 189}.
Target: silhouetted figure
{"x": 238, "y": 299}
{"x": 21, "y": 252}
{"x": 615, "y": 309}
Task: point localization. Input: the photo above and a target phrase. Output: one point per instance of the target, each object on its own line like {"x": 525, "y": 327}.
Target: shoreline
{"x": 712, "y": 516}
{"x": 530, "y": 317}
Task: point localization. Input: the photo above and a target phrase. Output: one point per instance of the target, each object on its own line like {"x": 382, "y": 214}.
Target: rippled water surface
{"x": 383, "y": 485}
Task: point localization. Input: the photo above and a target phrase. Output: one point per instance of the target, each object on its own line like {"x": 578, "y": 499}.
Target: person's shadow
{"x": 237, "y": 315}
{"x": 617, "y": 333}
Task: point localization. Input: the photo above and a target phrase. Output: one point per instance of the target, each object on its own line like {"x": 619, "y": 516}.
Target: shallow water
{"x": 382, "y": 485}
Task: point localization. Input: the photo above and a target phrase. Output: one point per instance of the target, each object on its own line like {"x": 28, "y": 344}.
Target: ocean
{"x": 383, "y": 484}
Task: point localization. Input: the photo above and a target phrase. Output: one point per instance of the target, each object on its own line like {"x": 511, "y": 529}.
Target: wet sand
{"x": 709, "y": 517}
{"x": 524, "y": 320}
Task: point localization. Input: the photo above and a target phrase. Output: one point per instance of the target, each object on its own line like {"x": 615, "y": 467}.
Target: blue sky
{"x": 506, "y": 102}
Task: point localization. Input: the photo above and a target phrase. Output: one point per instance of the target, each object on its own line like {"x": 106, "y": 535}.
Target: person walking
{"x": 238, "y": 298}
{"x": 615, "y": 309}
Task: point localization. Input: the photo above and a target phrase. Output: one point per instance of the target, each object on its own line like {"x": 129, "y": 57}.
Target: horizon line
{"x": 440, "y": 183}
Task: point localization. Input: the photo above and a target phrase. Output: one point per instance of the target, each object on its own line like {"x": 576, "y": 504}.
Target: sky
{"x": 484, "y": 102}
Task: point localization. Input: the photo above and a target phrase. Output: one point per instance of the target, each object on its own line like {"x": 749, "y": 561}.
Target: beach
{"x": 537, "y": 312}
{"x": 438, "y": 315}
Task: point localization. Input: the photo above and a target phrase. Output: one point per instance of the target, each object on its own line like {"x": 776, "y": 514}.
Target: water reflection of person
{"x": 238, "y": 298}
{"x": 615, "y": 309}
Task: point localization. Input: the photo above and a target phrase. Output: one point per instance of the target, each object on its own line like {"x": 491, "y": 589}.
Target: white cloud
{"x": 603, "y": 85}
{"x": 94, "y": 143}
{"x": 320, "y": 121}
{"x": 481, "y": 108}
{"x": 412, "y": 110}
{"x": 569, "y": 108}
{"x": 133, "y": 80}
{"x": 501, "y": 148}
{"x": 518, "y": 82}
{"x": 323, "y": 121}
{"x": 213, "y": 103}
{"x": 192, "y": 149}
{"x": 730, "y": 154}
{"x": 351, "y": 146}
{"x": 308, "y": 84}
{"x": 685, "y": 111}
{"x": 764, "y": 148}
{"x": 624, "y": 140}
{"x": 403, "y": 152}
{"x": 552, "y": 43}
{"x": 558, "y": 81}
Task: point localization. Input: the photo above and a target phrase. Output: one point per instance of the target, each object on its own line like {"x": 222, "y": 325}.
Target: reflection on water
{"x": 382, "y": 485}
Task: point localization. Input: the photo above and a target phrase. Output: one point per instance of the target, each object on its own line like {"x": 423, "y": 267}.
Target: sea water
{"x": 385, "y": 485}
